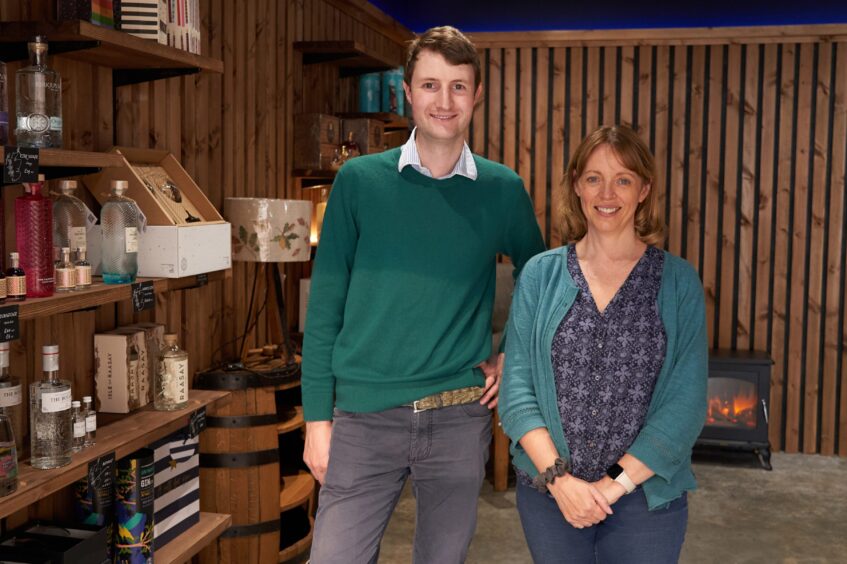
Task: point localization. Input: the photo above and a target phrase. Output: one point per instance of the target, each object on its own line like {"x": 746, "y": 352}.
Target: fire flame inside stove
{"x": 732, "y": 409}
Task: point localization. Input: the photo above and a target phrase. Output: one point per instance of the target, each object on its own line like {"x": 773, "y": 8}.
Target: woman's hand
{"x": 580, "y": 502}
{"x": 611, "y": 490}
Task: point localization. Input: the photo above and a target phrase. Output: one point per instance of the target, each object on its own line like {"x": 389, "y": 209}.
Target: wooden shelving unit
{"x": 298, "y": 547}
{"x": 295, "y": 489}
{"x": 352, "y": 57}
{"x": 391, "y": 121}
{"x": 292, "y": 424}
{"x": 192, "y": 541}
{"x": 100, "y": 294}
{"x": 122, "y": 437}
{"x": 313, "y": 173}
{"x": 57, "y": 163}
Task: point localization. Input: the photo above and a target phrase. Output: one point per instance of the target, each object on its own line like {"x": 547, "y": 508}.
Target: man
{"x": 395, "y": 382}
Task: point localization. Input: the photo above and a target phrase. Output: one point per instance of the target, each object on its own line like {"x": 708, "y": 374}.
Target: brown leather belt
{"x": 448, "y": 398}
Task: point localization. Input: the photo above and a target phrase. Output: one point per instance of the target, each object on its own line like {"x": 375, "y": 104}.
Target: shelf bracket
{"x": 125, "y": 77}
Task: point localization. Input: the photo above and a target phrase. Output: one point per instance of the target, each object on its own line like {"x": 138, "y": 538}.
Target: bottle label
{"x": 16, "y": 285}
{"x": 10, "y": 396}
{"x": 175, "y": 380}
{"x": 90, "y": 422}
{"x": 51, "y": 402}
{"x": 3, "y": 294}
{"x": 65, "y": 278}
{"x": 77, "y": 238}
{"x": 79, "y": 429}
{"x": 83, "y": 275}
{"x": 37, "y": 123}
{"x": 8, "y": 461}
{"x": 131, "y": 238}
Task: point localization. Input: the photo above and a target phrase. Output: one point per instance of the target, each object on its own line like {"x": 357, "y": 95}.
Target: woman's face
{"x": 609, "y": 192}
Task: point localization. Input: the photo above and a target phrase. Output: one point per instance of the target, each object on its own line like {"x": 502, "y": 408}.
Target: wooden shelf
{"x": 295, "y": 489}
{"x": 195, "y": 539}
{"x": 100, "y": 294}
{"x": 133, "y": 58}
{"x": 298, "y": 547}
{"x": 391, "y": 121}
{"x": 295, "y": 422}
{"x": 122, "y": 437}
{"x": 56, "y": 163}
{"x": 312, "y": 173}
{"x": 352, "y": 57}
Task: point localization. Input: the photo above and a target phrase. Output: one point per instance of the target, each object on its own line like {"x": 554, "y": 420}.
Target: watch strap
{"x": 624, "y": 480}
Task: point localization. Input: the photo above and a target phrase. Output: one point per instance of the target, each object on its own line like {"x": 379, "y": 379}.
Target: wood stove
{"x": 738, "y": 396}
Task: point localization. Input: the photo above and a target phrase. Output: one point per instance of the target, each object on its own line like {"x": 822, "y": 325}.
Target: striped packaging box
{"x": 142, "y": 18}
{"x": 177, "y": 485}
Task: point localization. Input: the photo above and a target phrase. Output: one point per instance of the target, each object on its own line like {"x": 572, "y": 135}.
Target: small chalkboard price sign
{"x": 10, "y": 329}
{"x": 20, "y": 164}
{"x": 143, "y": 296}
{"x": 197, "y": 422}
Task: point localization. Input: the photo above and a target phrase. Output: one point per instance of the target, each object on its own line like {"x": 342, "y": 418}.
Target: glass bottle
{"x": 15, "y": 279}
{"x": 34, "y": 229}
{"x": 4, "y": 106}
{"x": 51, "y": 432}
{"x": 90, "y": 422}
{"x": 79, "y": 426}
{"x": 3, "y": 291}
{"x": 10, "y": 392}
{"x": 38, "y": 101}
{"x": 349, "y": 148}
{"x": 83, "y": 270}
{"x": 8, "y": 457}
{"x": 68, "y": 218}
{"x": 119, "y": 222}
{"x": 65, "y": 272}
{"x": 171, "y": 385}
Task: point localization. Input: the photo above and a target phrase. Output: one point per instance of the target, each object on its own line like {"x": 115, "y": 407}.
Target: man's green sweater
{"x": 403, "y": 283}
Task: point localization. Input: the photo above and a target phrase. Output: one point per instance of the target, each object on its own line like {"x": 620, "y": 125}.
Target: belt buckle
{"x": 415, "y": 408}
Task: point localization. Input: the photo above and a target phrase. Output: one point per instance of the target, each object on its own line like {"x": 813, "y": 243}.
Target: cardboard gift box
{"x": 147, "y": 342}
{"x": 43, "y": 541}
{"x": 184, "y": 235}
{"x": 116, "y": 371}
{"x": 143, "y": 18}
{"x": 316, "y": 137}
{"x": 99, "y": 12}
{"x": 177, "y": 485}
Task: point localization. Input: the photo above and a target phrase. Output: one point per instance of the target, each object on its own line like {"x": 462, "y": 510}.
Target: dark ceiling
{"x": 523, "y": 15}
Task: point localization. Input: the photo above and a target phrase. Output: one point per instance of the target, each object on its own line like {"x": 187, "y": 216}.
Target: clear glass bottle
{"x": 68, "y": 218}
{"x": 65, "y": 272}
{"x": 8, "y": 457}
{"x": 38, "y": 103}
{"x": 79, "y": 426}
{"x": 171, "y": 385}
{"x": 83, "y": 270}
{"x": 119, "y": 222}
{"x": 4, "y": 106}
{"x": 90, "y": 422}
{"x": 51, "y": 430}
{"x": 15, "y": 279}
{"x": 10, "y": 392}
{"x": 34, "y": 230}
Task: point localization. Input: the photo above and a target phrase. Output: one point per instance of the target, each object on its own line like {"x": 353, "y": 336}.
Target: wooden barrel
{"x": 239, "y": 466}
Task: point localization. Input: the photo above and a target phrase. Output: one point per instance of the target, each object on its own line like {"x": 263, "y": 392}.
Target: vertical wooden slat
{"x": 691, "y": 211}
{"x": 495, "y": 104}
{"x": 552, "y": 232}
{"x": 541, "y": 134}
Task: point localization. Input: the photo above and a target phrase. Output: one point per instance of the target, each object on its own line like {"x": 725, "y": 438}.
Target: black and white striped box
{"x": 177, "y": 486}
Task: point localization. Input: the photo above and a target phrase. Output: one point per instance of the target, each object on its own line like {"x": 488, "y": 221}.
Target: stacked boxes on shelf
{"x": 125, "y": 361}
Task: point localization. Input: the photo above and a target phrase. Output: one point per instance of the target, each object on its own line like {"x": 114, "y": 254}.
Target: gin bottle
{"x": 10, "y": 392}
{"x": 65, "y": 272}
{"x": 51, "y": 431}
{"x": 79, "y": 427}
{"x": 39, "y": 100}
{"x": 119, "y": 222}
{"x": 83, "y": 270}
{"x": 171, "y": 383}
{"x": 68, "y": 218}
{"x": 8, "y": 457}
{"x": 34, "y": 230}
{"x": 90, "y": 422}
{"x": 4, "y": 106}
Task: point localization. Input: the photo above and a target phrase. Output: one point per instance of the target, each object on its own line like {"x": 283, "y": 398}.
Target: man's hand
{"x": 316, "y": 450}
{"x": 493, "y": 372}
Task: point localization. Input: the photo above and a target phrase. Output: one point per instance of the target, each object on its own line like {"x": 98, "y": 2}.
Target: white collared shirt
{"x": 409, "y": 156}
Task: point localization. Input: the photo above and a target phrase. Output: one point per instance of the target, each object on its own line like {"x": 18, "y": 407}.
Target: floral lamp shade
{"x": 269, "y": 230}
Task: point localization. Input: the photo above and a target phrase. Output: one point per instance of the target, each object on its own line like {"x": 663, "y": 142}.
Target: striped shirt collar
{"x": 409, "y": 156}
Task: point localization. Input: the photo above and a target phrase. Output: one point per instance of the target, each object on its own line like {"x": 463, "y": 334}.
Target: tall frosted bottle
{"x": 34, "y": 231}
{"x": 50, "y": 423}
{"x": 38, "y": 103}
{"x": 68, "y": 220}
{"x": 119, "y": 223}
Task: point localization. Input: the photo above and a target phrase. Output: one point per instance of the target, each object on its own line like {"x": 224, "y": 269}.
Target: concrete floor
{"x": 741, "y": 514}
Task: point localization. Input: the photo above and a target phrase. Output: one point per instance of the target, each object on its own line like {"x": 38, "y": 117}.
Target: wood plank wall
{"x": 748, "y": 128}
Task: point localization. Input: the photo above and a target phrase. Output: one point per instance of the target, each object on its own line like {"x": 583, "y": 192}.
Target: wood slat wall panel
{"x": 749, "y": 138}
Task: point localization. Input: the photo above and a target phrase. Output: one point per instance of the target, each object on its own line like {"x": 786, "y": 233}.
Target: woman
{"x": 604, "y": 388}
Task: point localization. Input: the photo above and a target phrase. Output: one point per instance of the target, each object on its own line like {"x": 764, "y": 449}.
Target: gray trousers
{"x": 371, "y": 456}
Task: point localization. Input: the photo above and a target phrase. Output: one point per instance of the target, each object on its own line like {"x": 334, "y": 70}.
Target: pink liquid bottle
{"x": 34, "y": 230}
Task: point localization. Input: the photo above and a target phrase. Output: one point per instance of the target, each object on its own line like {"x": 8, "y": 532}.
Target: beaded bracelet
{"x": 559, "y": 467}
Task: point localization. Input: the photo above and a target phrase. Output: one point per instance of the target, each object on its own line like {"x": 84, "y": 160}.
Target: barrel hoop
{"x": 242, "y": 421}
{"x": 238, "y": 459}
{"x": 243, "y": 379}
{"x": 254, "y": 529}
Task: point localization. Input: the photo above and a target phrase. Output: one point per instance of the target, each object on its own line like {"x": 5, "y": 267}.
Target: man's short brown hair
{"x": 448, "y": 42}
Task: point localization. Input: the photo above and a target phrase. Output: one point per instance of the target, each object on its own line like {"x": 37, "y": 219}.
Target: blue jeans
{"x": 631, "y": 535}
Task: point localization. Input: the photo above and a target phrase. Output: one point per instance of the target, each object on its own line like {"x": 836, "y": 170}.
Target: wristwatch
{"x": 617, "y": 473}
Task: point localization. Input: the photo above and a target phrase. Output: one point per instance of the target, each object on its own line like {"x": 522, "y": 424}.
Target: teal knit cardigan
{"x": 544, "y": 294}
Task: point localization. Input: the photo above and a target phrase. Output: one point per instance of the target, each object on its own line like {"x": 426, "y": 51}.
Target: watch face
{"x": 614, "y": 471}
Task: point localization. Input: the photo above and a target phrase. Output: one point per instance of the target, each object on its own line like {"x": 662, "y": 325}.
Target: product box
{"x": 57, "y": 543}
{"x": 177, "y": 485}
{"x": 142, "y": 18}
{"x": 367, "y": 133}
{"x": 147, "y": 360}
{"x": 184, "y": 233}
{"x": 154, "y": 336}
{"x": 116, "y": 371}
{"x": 99, "y": 12}
{"x": 316, "y": 137}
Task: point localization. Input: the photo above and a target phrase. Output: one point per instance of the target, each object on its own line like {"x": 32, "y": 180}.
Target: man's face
{"x": 442, "y": 97}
